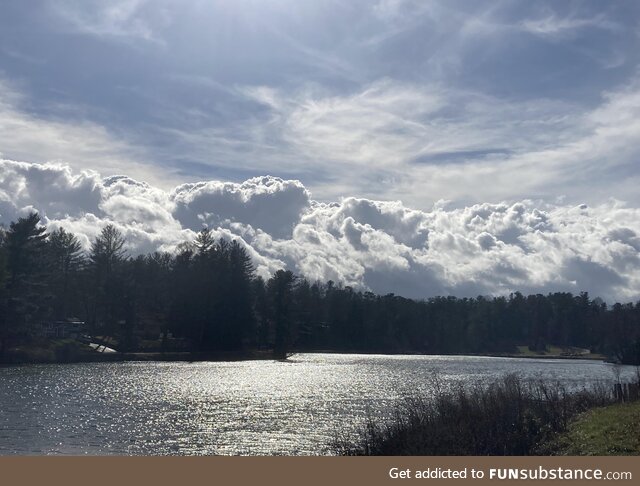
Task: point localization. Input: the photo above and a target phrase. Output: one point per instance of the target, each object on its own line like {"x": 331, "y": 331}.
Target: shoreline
{"x": 171, "y": 356}
{"x": 582, "y": 357}
{"x": 258, "y": 355}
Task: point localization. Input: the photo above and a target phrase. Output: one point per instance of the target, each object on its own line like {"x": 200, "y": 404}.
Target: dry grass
{"x": 510, "y": 417}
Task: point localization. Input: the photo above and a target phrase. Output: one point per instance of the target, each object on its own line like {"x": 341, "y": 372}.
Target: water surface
{"x": 248, "y": 407}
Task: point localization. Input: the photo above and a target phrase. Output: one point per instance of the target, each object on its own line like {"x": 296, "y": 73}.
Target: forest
{"x": 206, "y": 297}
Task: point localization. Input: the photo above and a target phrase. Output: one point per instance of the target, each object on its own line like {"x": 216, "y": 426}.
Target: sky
{"x": 416, "y": 147}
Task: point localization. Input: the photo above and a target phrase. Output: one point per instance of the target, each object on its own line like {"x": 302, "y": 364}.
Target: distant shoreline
{"x": 117, "y": 357}
{"x": 31, "y": 356}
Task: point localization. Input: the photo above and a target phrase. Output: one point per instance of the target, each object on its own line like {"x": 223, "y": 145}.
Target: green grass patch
{"x": 608, "y": 431}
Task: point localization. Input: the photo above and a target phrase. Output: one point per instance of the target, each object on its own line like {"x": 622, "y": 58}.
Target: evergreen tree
{"x": 280, "y": 288}
{"x": 240, "y": 322}
{"x": 105, "y": 271}
{"x": 26, "y": 272}
{"x": 65, "y": 260}
{"x": 3, "y": 295}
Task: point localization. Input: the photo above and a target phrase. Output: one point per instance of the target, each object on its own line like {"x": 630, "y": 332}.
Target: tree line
{"x": 206, "y": 297}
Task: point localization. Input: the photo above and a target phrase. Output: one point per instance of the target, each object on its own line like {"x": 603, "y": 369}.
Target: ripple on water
{"x": 249, "y": 407}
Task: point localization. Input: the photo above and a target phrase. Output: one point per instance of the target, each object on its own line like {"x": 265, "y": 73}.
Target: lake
{"x": 247, "y": 407}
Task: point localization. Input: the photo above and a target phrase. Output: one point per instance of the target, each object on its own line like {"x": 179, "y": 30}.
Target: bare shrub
{"x": 509, "y": 417}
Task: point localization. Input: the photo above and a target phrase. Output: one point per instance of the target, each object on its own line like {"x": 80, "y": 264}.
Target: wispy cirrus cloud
{"x": 116, "y": 19}
{"x": 398, "y": 99}
{"x": 74, "y": 140}
{"x": 457, "y": 144}
{"x": 553, "y": 25}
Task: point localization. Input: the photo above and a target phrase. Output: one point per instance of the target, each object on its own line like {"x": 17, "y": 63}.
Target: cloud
{"x": 113, "y": 19}
{"x": 394, "y": 99}
{"x": 383, "y": 246}
{"x": 267, "y": 203}
{"x": 25, "y": 135}
{"x": 553, "y": 25}
{"x": 428, "y": 142}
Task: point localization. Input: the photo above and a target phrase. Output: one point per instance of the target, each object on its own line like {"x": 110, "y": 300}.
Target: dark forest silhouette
{"x": 206, "y": 297}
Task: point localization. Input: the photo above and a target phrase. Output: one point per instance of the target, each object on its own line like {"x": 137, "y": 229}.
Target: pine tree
{"x": 280, "y": 289}
{"x": 105, "y": 270}
{"x": 24, "y": 303}
{"x": 66, "y": 259}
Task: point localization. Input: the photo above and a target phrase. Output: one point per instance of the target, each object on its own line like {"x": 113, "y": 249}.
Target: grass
{"x": 605, "y": 431}
{"x": 509, "y": 417}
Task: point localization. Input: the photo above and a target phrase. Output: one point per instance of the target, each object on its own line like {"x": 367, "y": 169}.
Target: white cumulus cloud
{"x": 383, "y": 246}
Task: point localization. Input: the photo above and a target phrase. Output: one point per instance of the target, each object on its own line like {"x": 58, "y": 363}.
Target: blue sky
{"x": 417, "y": 147}
{"x": 467, "y": 101}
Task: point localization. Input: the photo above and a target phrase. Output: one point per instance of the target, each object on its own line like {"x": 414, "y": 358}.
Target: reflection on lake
{"x": 248, "y": 407}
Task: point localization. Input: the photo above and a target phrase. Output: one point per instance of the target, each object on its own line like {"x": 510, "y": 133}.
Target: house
{"x": 69, "y": 328}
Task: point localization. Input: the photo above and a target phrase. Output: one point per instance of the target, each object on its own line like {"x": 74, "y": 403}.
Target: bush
{"x": 509, "y": 417}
